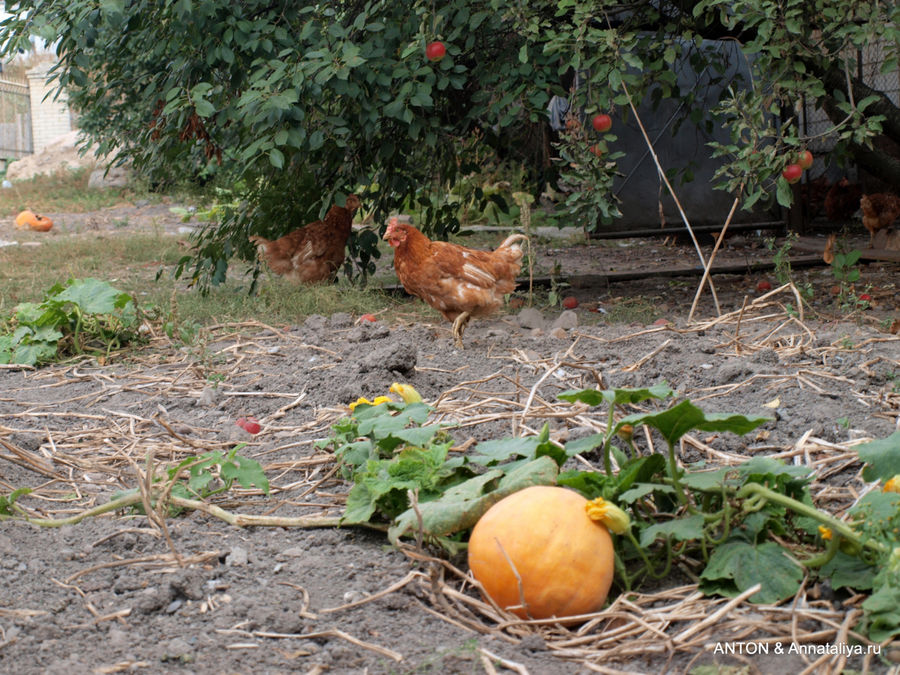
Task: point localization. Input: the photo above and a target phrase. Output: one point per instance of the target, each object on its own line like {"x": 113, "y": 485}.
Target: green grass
{"x": 130, "y": 261}
{"x": 280, "y": 303}
{"x": 63, "y": 191}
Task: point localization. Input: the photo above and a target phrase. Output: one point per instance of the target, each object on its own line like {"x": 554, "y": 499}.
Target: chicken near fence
{"x": 313, "y": 252}
{"x": 457, "y": 281}
{"x": 842, "y": 200}
{"x": 879, "y": 211}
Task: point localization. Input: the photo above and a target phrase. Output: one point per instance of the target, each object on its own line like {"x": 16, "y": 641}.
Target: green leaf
{"x": 583, "y": 445}
{"x": 783, "y": 193}
{"x": 460, "y": 507}
{"x": 641, "y": 490}
{"x": 883, "y": 613}
{"x": 360, "y": 506}
{"x": 595, "y": 397}
{"x": 34, "y": 353}
{"x": 501, "y": 450}
{"x": 591, "y": 484}
{"x": 680, "y": 529}
{"x": 738, "y": 565}
{"x": 639, "y": 470}
{"x": 882, "y": 458}
{"x": 94, "y": 296}
{"x": 685, "y": 416}
{"x": 848, "y": 571}
{"x": 276, "y": 158}
{"x": 7, "y": 501}
{"x": 706, "y": 481}
{"x": 247, "y": 472}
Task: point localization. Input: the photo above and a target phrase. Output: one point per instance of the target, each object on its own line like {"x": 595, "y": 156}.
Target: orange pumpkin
{"x": 564, "y": 559}
{"x": 32, "y": 220}
{"x": 23, "y": 218}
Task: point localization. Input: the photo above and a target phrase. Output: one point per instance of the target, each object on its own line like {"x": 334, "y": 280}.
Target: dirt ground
{"x": 114, "y": 593}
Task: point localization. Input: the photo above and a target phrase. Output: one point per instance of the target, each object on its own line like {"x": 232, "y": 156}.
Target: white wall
{"x": 50, "y": 117}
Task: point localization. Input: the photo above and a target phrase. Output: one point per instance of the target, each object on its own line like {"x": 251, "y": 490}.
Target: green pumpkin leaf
{"x": 595, "y": 397}
{"x": 738, "y": 565}
{"x": 882, "y": 458}
{"x": 883, "y": 613}
{"x": 680, "y": 529}
{"x": 93, "y": 296}
{"x": 685, "y": 416}
{"x": 848, "y": 571}
{"x": 460, "y": 507}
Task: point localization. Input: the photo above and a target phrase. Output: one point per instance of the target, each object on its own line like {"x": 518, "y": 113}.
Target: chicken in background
{"x": 313, "y": 252}
{"x": 813, "y": 193}
{"x": 459, "y": 282}
{"x": 879, "y": 210}
{"x": 842, "y": 200}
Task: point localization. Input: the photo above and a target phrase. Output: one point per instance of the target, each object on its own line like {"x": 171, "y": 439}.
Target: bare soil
{"x": 116, "y": 593}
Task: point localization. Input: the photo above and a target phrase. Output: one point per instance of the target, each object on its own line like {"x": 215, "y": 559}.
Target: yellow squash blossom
{"x": 378, "y": 401}
{"x": 406, "y": 392}
{"x": 615, "y": 519}
{"x": 893, "y": 485}
{"x": 825, "y": 532}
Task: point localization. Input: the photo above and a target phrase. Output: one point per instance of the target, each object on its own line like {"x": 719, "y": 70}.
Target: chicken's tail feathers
{"x": 512, "y": 240}
{"x": 258, "y": 241}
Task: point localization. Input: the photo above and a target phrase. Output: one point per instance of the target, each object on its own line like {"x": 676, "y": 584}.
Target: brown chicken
{"x": 315, "y": 251}
{"x": 459, "y": 282}
{"x": 880, "y": 210}
{"x": 842, "y": 200}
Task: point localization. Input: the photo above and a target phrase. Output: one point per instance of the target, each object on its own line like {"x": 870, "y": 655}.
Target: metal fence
{"x": 15, "y": 120}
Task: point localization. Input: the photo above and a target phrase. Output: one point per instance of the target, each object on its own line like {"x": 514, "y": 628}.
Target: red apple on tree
{"x": 792, "y": 173}
{"x": 805, "y": 159}
{"x": 435, "y": 50}
{"x": 602, "y": 123}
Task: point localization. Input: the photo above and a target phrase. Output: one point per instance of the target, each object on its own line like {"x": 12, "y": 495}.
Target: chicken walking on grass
{"x": 459, "y": 282}
{"x": 315, "y": 251}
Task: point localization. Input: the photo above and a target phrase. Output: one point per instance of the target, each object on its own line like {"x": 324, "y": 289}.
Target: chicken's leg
{"x": 459, "y": 326}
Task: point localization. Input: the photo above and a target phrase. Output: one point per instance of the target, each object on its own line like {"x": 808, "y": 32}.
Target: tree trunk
{"x": 874, "y": 160}
{"x": 835, "y": 78}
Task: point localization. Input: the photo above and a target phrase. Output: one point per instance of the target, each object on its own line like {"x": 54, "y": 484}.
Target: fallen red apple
{"x": 865, "y": 297}
{"x": 792, "y": 173}
{"x": 570, "y": 302}
{"x": 435, "y": 51}
{"x": 367, "y": 318}
{"x": 602, "y": 123}
{"x": 248, "y": 424}
{"x": 805, "y": 159}
{"x": 764, "y": 286}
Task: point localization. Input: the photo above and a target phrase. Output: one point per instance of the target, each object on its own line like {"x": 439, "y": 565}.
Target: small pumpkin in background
{"x": 33, "y": 221}
{"x": 543, "y": 537}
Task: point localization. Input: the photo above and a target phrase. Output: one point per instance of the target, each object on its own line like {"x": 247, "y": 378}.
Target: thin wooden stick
{"x": 712, "y": 256}
{"x": 665, "y": 179}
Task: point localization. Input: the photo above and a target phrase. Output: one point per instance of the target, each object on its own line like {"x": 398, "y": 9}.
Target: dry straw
{"x": 96, "y": 447}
